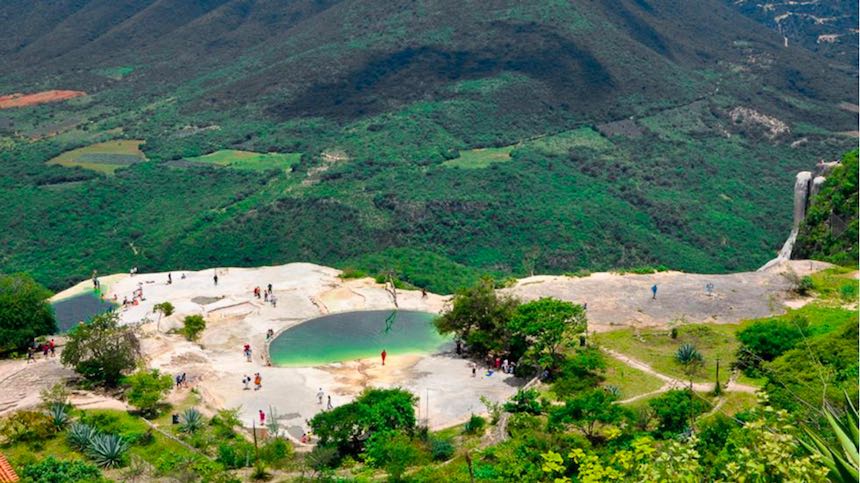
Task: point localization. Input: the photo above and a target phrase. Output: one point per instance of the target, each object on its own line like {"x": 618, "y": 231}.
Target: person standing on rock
{"x": 169, "y": 279}
{"x": 320, "y": 395}
{"x": 654, "y": 292}
{"x": 258, "y": 381}
{"x": 270, "y": 288}
{"x": 383, "y": 355}
{"x": 328, "y": 405}
{"x": 262, "y": 417}
{"x": 215, "y": 278}
{"x": 246, "y": 380}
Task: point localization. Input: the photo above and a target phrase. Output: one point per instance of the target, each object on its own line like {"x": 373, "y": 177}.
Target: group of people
{"x": 181, "y": 380}
{"x": 320, "y": 396}
{"x": 257, "y": 380}
{"x": 267, "y": 295}
{"x": 45, "y": 348}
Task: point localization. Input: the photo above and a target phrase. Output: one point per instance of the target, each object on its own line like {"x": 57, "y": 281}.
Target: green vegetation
{"x": 192, "y": 326}
{"x": 247, "y": 160}
{"x": 480, "y": 158}
{"x": 147, "y": 389}
{"x": 102, "y": 350}
{"x": 24, "y": 312}
{"x": 829, "y": 231}
{"x": 104, "y": 157}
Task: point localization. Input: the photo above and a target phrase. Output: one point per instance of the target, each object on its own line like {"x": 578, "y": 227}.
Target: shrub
{"x": 26, "y": 426}
{"x": 277, "y": 453}
{"x": 475, "y": 425}
{"x": 191, "y": 421}
{"x": 393, "y": 451}
{"x": 348, "y": 273}
{"x": 56, "y": 394}
{"x": 675, "y": 409}
{"x": 79, "y": 436}
{"x": 238, "y": 454}
{"x": 805, "y": 285}
{"x": 146, "y": 389}
{"x": 674, "y": 333}
{"x": 192, "y": 326}
{"x": 764, "y": 341}
{"x": 524, "y": 401}
{"x": 441, "y": 449}
{"x": 52, "y": 470}
{"x": 107, "y": 450}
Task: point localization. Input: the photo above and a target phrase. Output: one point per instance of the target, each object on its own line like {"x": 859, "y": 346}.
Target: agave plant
{"x": 107, "y": 450}
{"x": 80, "y": 435}
{"x": 614, "y": 391}
{"x": 192, "y": 421}
{"x": 688, "y": 354}
{"x": 59, "y": 415}
{"x": 842, "y": 460}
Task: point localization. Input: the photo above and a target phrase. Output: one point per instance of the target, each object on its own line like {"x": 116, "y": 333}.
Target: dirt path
{"x": 674, "y": 383}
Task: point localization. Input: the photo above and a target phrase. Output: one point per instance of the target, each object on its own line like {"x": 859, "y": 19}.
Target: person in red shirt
{"x": 384, "y": 355}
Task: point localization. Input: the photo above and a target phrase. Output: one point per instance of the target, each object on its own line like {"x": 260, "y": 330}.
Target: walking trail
{"x": 673, "y": 383}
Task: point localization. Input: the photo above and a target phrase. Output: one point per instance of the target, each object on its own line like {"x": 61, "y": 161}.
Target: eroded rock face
{"x": 815, "y": 188}
{"x": 801, "y": 196}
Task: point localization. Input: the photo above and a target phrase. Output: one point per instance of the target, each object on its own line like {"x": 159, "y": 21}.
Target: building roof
{"x": 7, "y": 474}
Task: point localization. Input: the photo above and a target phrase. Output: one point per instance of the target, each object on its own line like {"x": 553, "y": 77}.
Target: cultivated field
{"x": 480, "y": 158}
{"x": 104, "y": 157}
{"x": 23, "y": 100}
{"x": 247, "y": 160}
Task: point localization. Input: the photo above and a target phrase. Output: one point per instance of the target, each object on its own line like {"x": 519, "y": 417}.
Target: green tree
{"x": 765, "y": 340}
{"x": 164, "y": 309}
{"x": 548, "y": 327}
{"x": 347, "y": 427}
{"x": 479, "y": 317}
{"x": 580, "y": 371}
{"x": 24, "y": 312}
{"x": 588, "y": 412}
{"x": 676, "y": 409}
{"x": 102, "y": 350}
{"x": 147, "y": 389}
{"x": 391, "y": 450}
{"x": 192, "y": 326}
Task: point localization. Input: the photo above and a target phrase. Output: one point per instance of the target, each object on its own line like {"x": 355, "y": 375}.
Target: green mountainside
{"x": 623, "y": 133}
{"x": 829, "y": 231}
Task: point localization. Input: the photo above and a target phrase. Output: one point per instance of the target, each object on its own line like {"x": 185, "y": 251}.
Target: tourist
{"x": 320, "y": 395}
{"x": 511, "y": 368}
{"x": 585, "y": 306}
{"x": 258, "y": 381}
{"x": 257, "y": 292}
{"x": 53, "y": 347}
{"x": 169, "y": 279}
{"x": 262, "y": 417}
{"x": 184, "y": 380}
{"x": 183, "y": 276}
{"x": 459, "y": 348}
{"x": 505, "y": 366}
{"x": 304, "y": 438}
{"x": 178, "y": 379}
{"x": 248, "y": 354}
{"x": 273, "y": 300}
{"x": 215, "y": 278}
{"x": 423, "y": 293}
{"x": 30, "y": 351}
{"x": 654, "y": 292}
{"x": 328, "y": 405}
{"x": 497, "y": 364}
{"x": 270, "y": 288}
{"x": 384, "y": 355}
{"x": 45, "y": 350}
{"x": 474, "y": 370}
{"x": 246, "y": 380}
{"x": 265, "y": 296}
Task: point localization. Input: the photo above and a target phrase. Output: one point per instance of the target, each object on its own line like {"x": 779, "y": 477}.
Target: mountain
{"x": 483, "y": 137}
{"x": 828, "y": 27}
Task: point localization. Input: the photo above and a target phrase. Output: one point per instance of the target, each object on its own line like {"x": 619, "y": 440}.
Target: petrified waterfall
{"x": 805, "y": 189}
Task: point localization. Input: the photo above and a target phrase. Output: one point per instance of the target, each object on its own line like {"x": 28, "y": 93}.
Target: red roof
{"x": 7, "y": 474}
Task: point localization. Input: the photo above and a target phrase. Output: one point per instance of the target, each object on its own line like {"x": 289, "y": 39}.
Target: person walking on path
{"x": 258, "y": 381}
{"x": 169, "y": 279}
{"x": 215, "y": 278}
{"x": 320, "y": 395}
{"x": 53, "y": 347}
{"x": 654, "y": 292}
{"x": 270, "y": 288}
{"x": 262, "y": 418}
{"x": 328, "y": 405}
{"x": 384, "y": 355}
{"x": 246, "y": 380}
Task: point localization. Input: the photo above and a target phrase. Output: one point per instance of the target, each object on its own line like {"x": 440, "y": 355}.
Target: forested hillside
{"x": 488, "y": 137}
{"x": 829, "y": 231}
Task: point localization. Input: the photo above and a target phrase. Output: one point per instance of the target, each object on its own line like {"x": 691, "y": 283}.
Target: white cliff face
{"x": 817, "y": 183}
{"x": 801, "y": 197}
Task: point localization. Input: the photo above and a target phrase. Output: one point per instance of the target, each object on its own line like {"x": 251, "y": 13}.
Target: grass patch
{"x": 104, "y": 157}
{"x": 630, "y": 381}
{"x": 656, "y": 348}
{"x": 736, "y": 402}
{"x": 480, "y": 158}
{"x": 248, "y": 160}
{"x": 836, "y": 284}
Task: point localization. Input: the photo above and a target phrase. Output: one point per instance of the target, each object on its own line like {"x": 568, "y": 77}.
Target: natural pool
{"x": 83, "y": 307}
{"x": 356, "y": 335}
